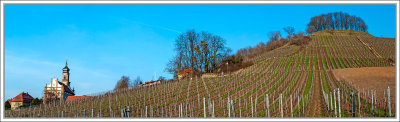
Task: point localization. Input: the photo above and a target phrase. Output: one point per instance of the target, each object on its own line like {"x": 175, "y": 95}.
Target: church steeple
{"x": 65, "y": 74}
{"x": 66, "y": 69}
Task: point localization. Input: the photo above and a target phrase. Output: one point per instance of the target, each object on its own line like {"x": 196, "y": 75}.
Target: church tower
{"x": 65, "y": 74}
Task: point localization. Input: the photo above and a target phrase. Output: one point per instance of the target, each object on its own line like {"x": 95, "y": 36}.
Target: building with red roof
{"x": 20, "y": 99}
{"x": 74, "y": 98}
{"x": 184, "y": 73}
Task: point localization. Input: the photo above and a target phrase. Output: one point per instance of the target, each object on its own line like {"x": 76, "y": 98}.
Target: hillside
{"x": 298, "y": 78}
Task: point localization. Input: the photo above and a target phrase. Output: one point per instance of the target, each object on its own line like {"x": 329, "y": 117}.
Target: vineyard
{"x": 290, "y": 81}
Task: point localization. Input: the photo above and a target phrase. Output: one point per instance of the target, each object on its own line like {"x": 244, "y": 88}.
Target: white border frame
{"x": 200, "y": 2}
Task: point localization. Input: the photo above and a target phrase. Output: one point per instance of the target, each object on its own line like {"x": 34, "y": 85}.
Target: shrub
{"x": 235, "y": 62}
{"x": 301, "y": 41}
{"x": 7, "y": 105}
{"x": 35, "y": 101}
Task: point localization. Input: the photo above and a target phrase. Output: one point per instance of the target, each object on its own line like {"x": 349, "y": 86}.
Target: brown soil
{"x": 315, "y": 102}
{"x": 370, "y": 78}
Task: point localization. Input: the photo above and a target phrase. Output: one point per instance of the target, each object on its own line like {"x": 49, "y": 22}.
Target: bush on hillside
{"x": 233, "y": 63}
{"x": 301, "y": 41}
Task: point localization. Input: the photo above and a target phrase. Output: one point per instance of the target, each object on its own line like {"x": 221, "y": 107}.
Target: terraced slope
{"x": 290, "y": 81}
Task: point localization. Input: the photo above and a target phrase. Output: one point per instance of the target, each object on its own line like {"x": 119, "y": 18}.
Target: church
{"x": 57, "y": 90}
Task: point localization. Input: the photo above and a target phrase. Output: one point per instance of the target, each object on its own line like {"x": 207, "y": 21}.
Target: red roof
{"x": 66, "y": 88}
{"x": 185, "y": 71}
{"x": 23, "y": 97}
{"x": 72, "y": 98}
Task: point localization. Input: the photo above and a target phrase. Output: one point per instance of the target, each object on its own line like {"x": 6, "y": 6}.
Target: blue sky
{"x": 104, "y": 42}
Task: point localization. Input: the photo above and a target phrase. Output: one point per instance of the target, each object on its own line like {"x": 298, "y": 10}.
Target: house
{"x": 21, "y": 99}
{"x": 184, "y": 73}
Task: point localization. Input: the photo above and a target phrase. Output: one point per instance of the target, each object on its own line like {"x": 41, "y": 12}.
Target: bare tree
{"x": 200, "y": 52}
{"x": 136, "y": 82}
{"x": 51, "y": 96}
{"x": 341, "y": 16}
{"x": 336, "y": 16}
{"x": 274, "y": 35}
{"x": 205, "y": 49}
{"x": 192, "y": 37}
{"x": 290, "y": 31}
{"x": 346, "y": 21}
{"x": 311, "y": 29}
{"x": 218, "y": 50}
{"x": 331, "y": 21}
{"x": 123, "y": 83}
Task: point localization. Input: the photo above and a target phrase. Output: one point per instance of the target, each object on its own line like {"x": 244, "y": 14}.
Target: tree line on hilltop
{"x": 336, "y": 21}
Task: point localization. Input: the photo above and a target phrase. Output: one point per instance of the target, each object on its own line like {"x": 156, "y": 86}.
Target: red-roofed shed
{"x": 73, "y": 98}
{"x": 184, "y": 73}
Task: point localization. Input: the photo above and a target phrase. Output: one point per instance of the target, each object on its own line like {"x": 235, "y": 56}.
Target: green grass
{"x": 306, "y": 91}
{"x": 342, "y": 63}
{"x": 278, "y": 84}
{"x": 288, "y": 65}
{"x": 292, "y": 84}
{"x": 358, "y": 62}
{"x": 325, "y": 63}
{"x": 325, "y": 84}
{"x": 333, "y": 63}
{"x": 350, "y": 62}
{"x": 309, "y": 82}
{"x": 298, "y": 63}
{"x": 307, "y": 62}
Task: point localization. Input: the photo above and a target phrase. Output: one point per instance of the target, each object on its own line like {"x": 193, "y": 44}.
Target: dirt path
{"x": 315, "y": 101}
{"x": 373, "y": 51}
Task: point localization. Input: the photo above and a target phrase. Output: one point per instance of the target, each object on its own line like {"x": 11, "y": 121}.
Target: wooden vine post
{"x": 388, "y": 99}
{"x": 204, "y": 106}
{"x": 359, "y": 104}
{"x": 353, "y": 106}
{"x": 340, "y": 112}
{"x": 291, "y": 109}
{"x": 334, "y": 97}
{"x": 280, "y": 97}
{"x": 372, "y": 104}
{"x": 267, "y": 104}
